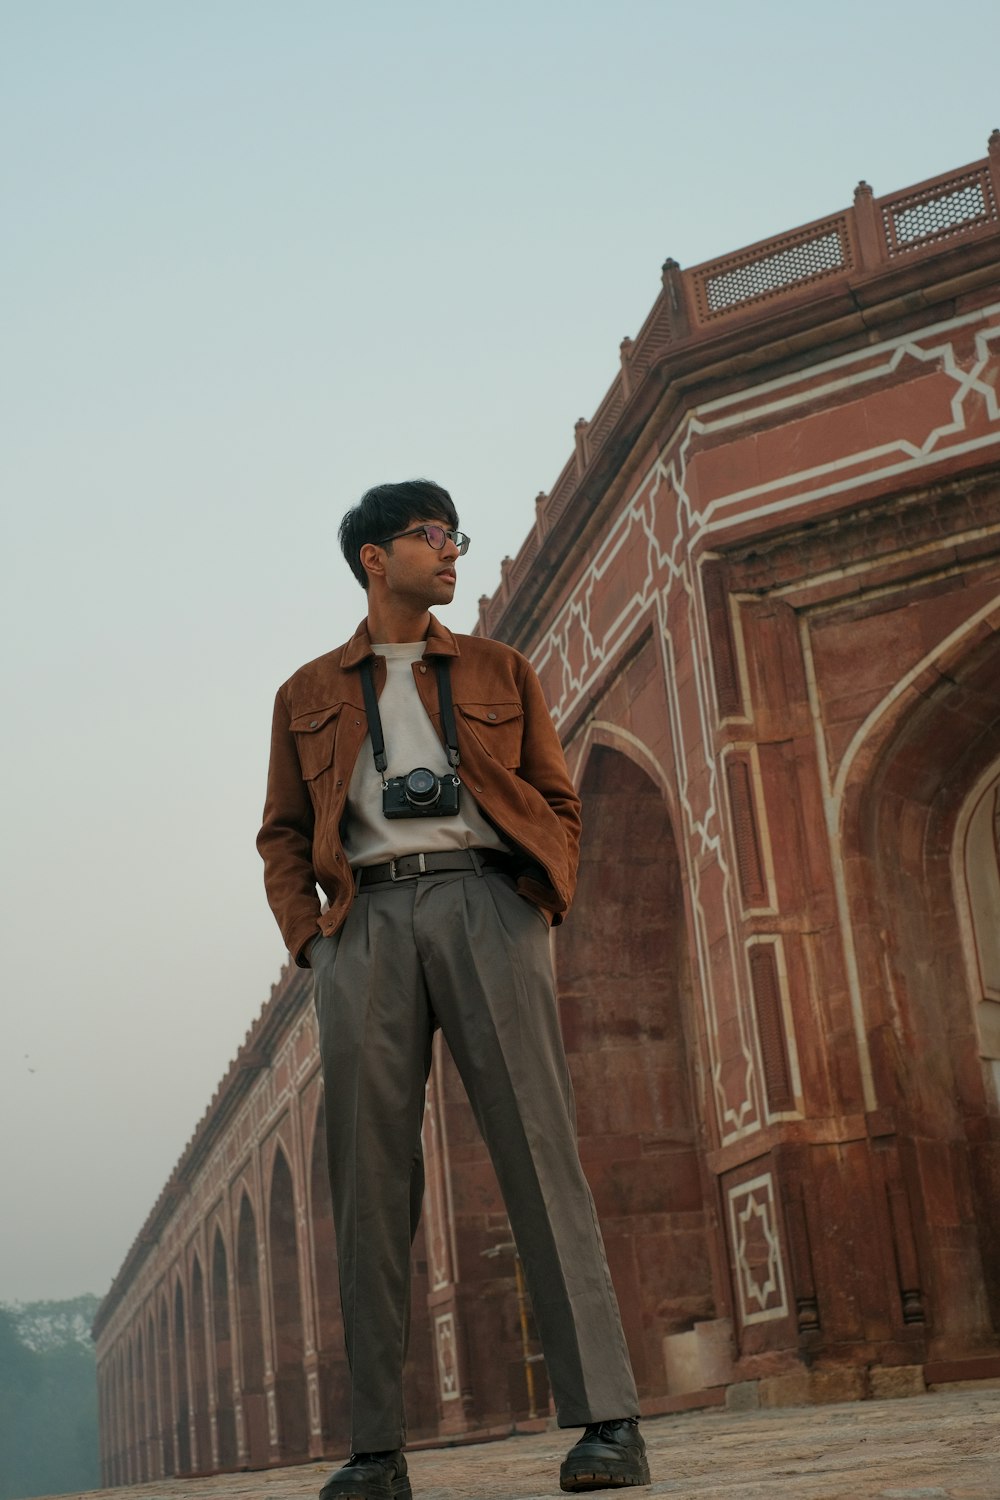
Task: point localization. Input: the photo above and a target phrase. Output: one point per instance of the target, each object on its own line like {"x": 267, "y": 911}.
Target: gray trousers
{"x": 466, "y": 953}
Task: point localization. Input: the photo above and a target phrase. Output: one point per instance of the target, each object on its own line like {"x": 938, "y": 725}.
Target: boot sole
{"x": 594, "y": 1479}
{"x": 398, "y": 1490}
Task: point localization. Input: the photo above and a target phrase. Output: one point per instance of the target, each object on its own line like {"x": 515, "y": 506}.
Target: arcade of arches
{"x": 763, "y": 599}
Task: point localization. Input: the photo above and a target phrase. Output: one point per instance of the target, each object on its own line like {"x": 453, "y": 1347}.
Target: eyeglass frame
{"x": 461, "y": 539}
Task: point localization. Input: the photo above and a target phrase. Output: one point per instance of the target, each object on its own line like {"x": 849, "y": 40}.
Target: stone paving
{"x": 941, "y": 1446}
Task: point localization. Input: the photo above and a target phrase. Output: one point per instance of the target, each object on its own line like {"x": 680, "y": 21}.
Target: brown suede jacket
{"x": 511, "y": 762}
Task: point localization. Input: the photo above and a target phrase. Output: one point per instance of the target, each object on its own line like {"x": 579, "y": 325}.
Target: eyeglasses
{"x": 435, "y": 536}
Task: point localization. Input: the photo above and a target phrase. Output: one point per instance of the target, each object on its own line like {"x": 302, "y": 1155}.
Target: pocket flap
{"x": 312, "y": 722}
{"x": 491, "y": 713}
{"x": 498, "y": 727}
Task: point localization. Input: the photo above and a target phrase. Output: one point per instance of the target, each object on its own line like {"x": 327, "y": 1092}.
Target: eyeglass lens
{"x": 436, "y": 538}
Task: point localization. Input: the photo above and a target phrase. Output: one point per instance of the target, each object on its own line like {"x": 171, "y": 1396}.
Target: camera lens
{"x": 422, "y": 788}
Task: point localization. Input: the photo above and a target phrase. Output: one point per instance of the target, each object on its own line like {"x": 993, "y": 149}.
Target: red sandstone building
{"x": 763, "y": 598}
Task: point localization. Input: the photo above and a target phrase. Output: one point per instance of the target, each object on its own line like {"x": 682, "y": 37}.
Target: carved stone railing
{"x": 834, "y": 255}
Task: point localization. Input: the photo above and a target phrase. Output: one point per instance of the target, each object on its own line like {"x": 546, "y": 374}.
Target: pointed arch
{"x": 166, "y": 1393}
{"x": 625, "y": 999}
{"x": 123, "y": 1395}
{"x": 182, "y": 1428}
{"x": 202, "y": 1455}
{"x": 223, "y": 1340}
{"x": 114, "y": 1381}
{"x": 141, "y": 1436}
{"x": 903, "y": 806}
{"x": 153, "y": 1440}
{"x": 130, "y": 1435}
{"x": 976, "y": 872}
{"x": 334, "y": 1376}
{"x": 251, "y": 1335}
{"x": 286, "y": 1302}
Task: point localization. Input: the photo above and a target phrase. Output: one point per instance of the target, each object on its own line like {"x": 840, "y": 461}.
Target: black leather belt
{"x": 412, "y": 866}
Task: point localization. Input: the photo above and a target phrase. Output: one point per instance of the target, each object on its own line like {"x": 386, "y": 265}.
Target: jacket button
{"x": 491, "y": 716}
{"x": 340, "y": 783}
{"x": 313, "y": 724}
{"x": 336, "y": 856}
{"x": 477, "y": 788}
{"x": 422, "y": 667}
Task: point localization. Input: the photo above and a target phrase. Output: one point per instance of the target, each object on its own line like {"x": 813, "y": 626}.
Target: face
{"x": 415, "y": 571}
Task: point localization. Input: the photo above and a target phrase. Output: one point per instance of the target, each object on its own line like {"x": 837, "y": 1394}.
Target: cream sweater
{"x": 410, "y": 741}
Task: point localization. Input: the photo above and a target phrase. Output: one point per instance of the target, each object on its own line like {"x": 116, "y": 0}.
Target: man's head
{"x": 385, "y": 511}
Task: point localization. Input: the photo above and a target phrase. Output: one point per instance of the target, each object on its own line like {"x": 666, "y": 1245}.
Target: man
{"x": 417, "y": 778}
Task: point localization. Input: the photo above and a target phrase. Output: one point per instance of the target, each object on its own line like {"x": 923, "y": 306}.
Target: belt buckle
{"x": 420, "y": 870}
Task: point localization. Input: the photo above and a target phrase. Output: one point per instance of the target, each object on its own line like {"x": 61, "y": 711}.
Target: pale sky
{"x": 256, "y": 257}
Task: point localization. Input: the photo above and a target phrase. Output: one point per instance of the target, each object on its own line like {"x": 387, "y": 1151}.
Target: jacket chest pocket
{"x": 315, "y": 738}
{"x": 498, "y": 728}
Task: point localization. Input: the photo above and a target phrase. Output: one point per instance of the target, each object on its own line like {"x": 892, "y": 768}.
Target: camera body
{"x": 421, "y": 794}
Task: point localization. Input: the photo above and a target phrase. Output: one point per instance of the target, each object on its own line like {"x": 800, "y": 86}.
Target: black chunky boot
{"x": 369, "y": 1476}
{"x": 609, "y": 1456}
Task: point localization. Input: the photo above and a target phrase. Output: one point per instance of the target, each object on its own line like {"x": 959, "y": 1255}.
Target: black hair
{"x": 387, "y": 509}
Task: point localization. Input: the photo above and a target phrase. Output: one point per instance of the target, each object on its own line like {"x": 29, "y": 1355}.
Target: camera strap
{"x": 374, "y": 717}
{"x": 441, "y": 666}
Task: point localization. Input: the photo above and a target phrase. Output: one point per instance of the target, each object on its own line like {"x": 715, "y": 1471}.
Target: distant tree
{"x": 48, "y": 1399}
{"x": 52, "y": 1325}
{"x": 20, "y": 1378}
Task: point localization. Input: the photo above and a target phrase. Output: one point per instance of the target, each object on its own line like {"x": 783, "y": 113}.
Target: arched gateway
{"x": 763, "y": 599}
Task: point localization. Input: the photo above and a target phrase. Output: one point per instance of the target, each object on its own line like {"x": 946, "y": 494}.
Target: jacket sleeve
{"x": 543, "y": 764}
{"x": 285, "y": 841}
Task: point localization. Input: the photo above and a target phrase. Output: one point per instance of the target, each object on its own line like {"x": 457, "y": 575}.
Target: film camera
{"x": 420, "y": 794}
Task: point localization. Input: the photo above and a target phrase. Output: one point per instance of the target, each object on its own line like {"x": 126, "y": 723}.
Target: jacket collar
{"x": 440, "y": 642}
